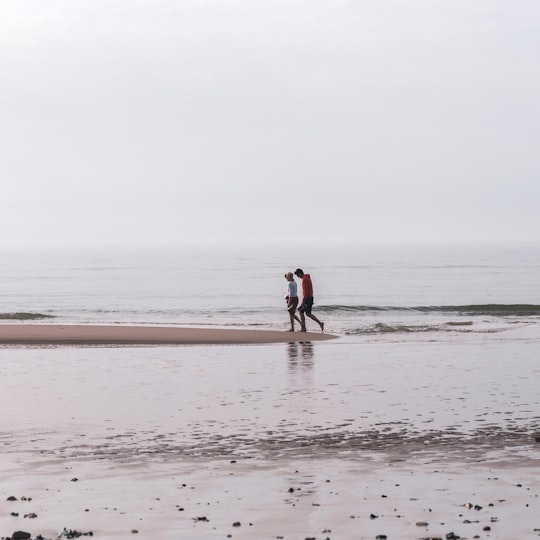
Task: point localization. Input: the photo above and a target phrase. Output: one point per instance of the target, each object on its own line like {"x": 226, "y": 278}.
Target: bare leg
{"x": 303, "y": 322}
{"x": 321, "y": 324}
{"x": 292, "y": 317}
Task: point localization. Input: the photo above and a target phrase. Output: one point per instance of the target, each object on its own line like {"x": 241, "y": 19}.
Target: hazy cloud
{"x": 158, "y": 121}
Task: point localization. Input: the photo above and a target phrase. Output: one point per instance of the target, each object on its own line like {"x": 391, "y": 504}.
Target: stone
{"x": 74, "y": 533}
{"x": 21, "y": 535}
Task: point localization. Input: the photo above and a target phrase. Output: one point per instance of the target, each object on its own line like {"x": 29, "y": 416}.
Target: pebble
{"x": 21, "y": 535}
{"x": 73, "y": 533}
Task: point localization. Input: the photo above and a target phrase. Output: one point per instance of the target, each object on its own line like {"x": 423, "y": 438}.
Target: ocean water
{"x": 436, "y": 361}
{"x": 374, "y": 292}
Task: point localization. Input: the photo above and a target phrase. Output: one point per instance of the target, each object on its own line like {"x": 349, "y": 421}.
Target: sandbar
{"x": 56, "y": 334}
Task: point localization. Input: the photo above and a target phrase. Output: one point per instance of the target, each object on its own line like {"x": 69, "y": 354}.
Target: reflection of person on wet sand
{"x": 307, "y": 350}
{"x": 292, "y": 299}
{"x": 292, "y": 352}
{"x": 300, "y": 350}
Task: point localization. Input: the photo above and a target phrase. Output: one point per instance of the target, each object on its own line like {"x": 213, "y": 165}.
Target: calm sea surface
{"x": 369, "y": 291}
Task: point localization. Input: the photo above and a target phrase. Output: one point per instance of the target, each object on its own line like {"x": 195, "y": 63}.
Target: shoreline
{"x": 56, "y": 334}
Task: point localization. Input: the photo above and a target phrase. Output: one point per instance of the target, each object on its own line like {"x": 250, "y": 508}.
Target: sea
{"x": 435, "y": 367}
{"x": 369, "y": 292}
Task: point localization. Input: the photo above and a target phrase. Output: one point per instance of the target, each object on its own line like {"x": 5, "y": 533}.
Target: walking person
{"x": 307, "y": 300}
{"x": 292, "y": 299}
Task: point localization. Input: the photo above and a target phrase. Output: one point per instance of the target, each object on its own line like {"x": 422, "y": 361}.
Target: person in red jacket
{"x": 307, "y": 299}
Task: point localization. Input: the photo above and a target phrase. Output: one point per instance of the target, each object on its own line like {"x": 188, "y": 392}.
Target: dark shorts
{"x": 306, "y": 306}
{"x": 292, "y": 304}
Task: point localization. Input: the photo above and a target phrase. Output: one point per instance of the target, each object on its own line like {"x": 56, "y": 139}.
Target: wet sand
{"x": 49, "y": 334}
{"x": 289, "y": 499}
{"x": 334, "y": 439}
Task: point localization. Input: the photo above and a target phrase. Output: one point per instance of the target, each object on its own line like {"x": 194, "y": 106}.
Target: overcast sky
{"x": 160, "y": 121}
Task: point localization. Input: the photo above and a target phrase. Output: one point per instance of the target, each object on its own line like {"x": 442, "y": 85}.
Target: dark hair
{"x": 298, "y": 271}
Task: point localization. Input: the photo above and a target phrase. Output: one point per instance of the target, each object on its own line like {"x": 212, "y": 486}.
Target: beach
{"x": 273, "y": 499}
{"x": 159, "y": 395}
{"x": 188, "y": 184}
{"x": 297, "y": 439}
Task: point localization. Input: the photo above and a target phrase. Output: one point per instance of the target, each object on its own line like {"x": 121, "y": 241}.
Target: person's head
{"x": 289, "y": 276}
{"x": 299, "y": 272}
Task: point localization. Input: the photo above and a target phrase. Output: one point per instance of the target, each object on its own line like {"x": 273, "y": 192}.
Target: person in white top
{"x": 292, "y": 299}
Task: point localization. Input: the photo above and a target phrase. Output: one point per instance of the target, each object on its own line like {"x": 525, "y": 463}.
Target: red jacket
{"x": 307, "y": 286}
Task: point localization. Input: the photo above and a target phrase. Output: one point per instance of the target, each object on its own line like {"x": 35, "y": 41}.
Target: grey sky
{"x": 172, "y": 121}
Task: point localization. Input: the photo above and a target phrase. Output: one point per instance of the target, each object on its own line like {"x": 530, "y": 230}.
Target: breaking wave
{"x": 24, "y": 316}
{"x": 381, "y": 328}
{"x": 499, "y": 310}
